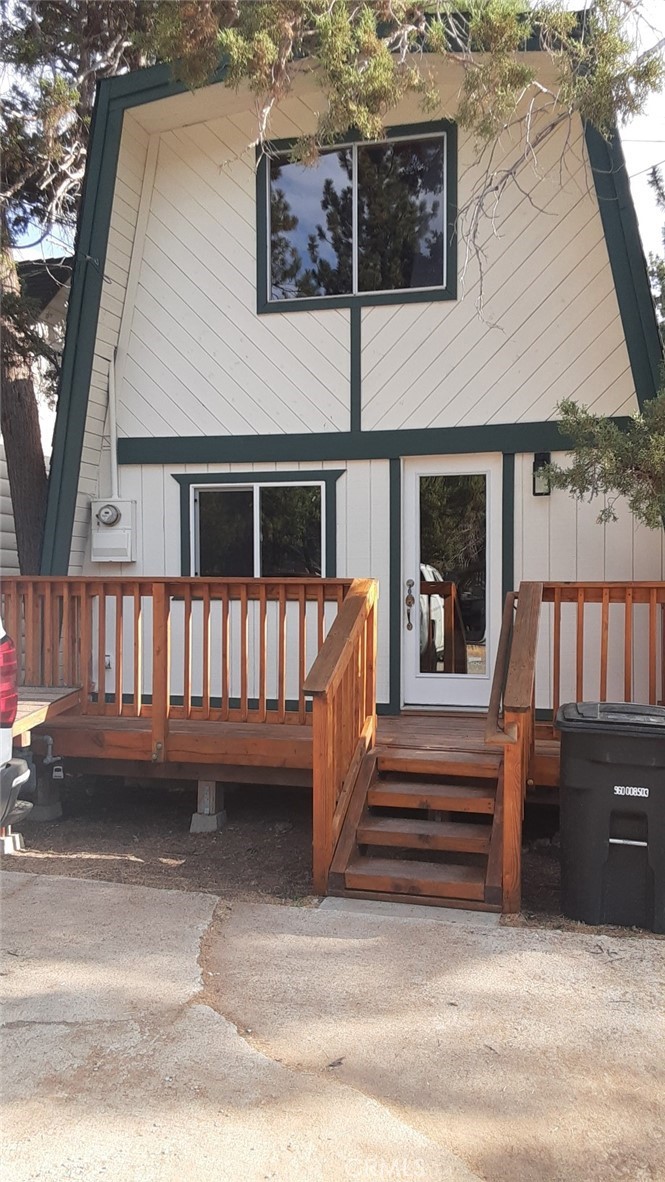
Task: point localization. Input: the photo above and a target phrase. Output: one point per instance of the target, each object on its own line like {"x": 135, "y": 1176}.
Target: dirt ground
{"x": 140, "y": 835}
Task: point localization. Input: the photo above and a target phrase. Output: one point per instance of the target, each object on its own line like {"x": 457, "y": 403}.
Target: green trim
{"x": 395, "y": 528}
{"x": 325, "y": 303}
{"x": 629, "y": 270}
{"x": 344, "y": 445}
{"x": 79, "y": 348}
{"x": 355, "y": 352}
{"x": 265, "y": 306}
{"x": 325, "y": 476}
{"x": 507, "y": 524}
{"x": 114, "y": 96}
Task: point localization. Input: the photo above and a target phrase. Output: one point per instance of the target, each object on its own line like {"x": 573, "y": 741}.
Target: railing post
{"x": 370, "y": 669}
{"x": 323, "y": 790}
{"x": 161, "y": 667}
{"x": 513, "y": 787}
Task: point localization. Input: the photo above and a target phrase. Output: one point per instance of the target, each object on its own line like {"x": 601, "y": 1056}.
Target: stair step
{"x": 417, "y": 794}
{"x": 409, "y": 833}
{"x": 415, "y": 878}
{"x": 476, "y": 764}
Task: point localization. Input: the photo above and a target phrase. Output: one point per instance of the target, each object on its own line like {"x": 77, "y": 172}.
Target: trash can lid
{"x": 625, "y": 716}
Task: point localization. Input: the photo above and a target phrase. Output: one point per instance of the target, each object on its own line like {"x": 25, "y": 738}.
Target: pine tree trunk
{"x": 22, "y": 439}
{"x": 25, "y": 461}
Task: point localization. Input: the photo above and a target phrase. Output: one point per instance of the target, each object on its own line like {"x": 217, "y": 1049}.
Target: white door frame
{"x": 449, "y": 690}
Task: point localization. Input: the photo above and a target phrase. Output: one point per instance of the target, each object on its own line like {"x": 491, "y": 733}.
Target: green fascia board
{"x": 82, "y": 316}
{"x": 114, "y": 95}
{"x": 344, "y": 445}
{"x": 626, "y": 254}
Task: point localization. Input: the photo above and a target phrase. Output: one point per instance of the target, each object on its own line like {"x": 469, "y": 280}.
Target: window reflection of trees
{"x": 400, "y": 236}
{"x": 453, "y": 516}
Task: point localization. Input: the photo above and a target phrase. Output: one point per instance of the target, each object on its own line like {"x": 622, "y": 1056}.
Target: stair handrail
{"x": 342, "y": 684}
{"x": 494, "y": 729}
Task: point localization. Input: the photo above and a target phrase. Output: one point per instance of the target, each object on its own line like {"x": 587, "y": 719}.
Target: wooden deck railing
{"x": 607, "y": 642}
{"x": 597, "y": 641}
{"x": 218, "y": 649}
{"x": 454, "y": 632}
{"x": 342, "y": 683}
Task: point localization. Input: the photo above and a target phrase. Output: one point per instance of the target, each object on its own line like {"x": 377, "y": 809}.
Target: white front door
{"x": 451, "y": 589}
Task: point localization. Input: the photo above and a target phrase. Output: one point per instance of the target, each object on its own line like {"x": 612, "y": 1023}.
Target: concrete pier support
{"x": 210, "y": 814}
{"x": 47, "y": 806}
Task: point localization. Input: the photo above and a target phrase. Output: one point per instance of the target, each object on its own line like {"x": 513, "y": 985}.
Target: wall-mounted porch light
{"x": 541, "y": 479}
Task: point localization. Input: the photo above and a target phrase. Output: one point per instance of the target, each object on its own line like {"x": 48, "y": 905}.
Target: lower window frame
{"x": 190, "y": 483}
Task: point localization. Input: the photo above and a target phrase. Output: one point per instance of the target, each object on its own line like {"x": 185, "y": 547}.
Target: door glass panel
{"x": 226, "y": 533}
{"x": 453, "y": 574}
{"x": 291, "y": 531}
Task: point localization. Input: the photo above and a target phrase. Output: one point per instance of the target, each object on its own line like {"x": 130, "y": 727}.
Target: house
{"x": 274, "y": 371}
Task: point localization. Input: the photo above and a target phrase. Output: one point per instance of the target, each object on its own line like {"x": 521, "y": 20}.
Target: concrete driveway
{"x": 160, "y": 1035}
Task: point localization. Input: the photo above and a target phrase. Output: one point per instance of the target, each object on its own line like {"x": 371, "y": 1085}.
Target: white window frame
{"x": 396, "y": 291}
{"x": 254, "y": 487}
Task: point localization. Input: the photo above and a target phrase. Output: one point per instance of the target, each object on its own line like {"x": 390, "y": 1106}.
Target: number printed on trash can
{"x": 629, "y": 790}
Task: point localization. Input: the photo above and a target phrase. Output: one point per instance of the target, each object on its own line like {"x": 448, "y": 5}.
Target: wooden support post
{"x": 513, "y": 790}
{"x": 370, "y": 670}
{"x": 161, "y": 668}
{"x": 210, "y": 814}
{"x": 323, "y": 804}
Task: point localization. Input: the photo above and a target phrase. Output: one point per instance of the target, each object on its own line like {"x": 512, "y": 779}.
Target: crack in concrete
{"x": 207, "y": 998}
{"x": 23, "y": 1023}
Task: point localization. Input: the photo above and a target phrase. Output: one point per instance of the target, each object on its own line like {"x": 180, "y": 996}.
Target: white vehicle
{"x": 14, "y": 773}
{"x": 431, "y": 615}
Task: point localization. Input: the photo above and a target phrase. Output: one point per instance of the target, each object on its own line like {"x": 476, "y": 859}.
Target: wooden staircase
{"x": 423, "y": 827}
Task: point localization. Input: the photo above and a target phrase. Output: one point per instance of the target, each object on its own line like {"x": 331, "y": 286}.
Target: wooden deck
{"x": 274, "y": 681}
{"x": 123, "y": 746}
{"x": 464, "y": 733}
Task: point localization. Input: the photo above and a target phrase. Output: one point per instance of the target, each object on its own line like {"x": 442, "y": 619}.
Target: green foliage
{"x": 55, "y": 50}
{"x": 611, "y": 462}
{"x": 371, "y": 55}
{"x": 657, "y": 262}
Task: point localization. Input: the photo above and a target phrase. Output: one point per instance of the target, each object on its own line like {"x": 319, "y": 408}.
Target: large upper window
{"x": 364, "y": 220}
{"x": 248, "y": 531}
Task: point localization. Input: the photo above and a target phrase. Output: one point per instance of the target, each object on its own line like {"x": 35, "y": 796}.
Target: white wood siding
{"x": 363, "y": 537}
{"x": 8, "y": 552}
{"x": 126, "y": 200}
{"x": 200, "y": 361}
{"x": 558, "y": 538}
{"x": 550, "y": 325}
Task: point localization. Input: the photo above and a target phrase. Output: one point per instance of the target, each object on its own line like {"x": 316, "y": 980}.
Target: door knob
{"x": 409, "y": 601}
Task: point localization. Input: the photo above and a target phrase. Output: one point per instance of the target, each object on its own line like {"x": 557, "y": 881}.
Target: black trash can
{"x": 613, "y": 813}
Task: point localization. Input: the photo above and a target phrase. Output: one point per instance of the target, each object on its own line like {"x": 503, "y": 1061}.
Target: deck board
{"x": 97, "y": 736}
{"x": 267, "y": 744}
{"x": 38, "y": 704}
